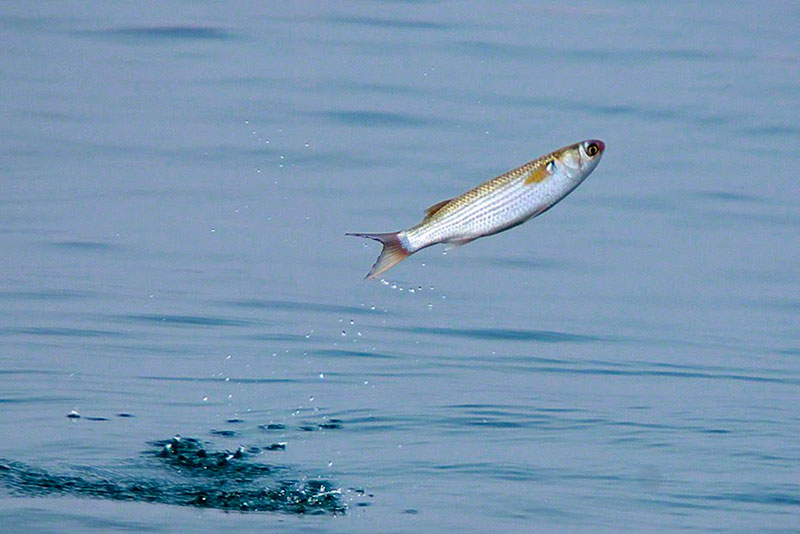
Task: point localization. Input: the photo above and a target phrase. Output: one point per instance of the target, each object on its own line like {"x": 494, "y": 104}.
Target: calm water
{"x": 176, "y": 185}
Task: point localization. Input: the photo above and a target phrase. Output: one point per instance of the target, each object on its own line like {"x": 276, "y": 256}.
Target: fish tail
{"x": 393, "y": 252}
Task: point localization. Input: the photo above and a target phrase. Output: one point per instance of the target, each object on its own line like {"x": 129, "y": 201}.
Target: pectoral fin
{"x": 537, "y": 175}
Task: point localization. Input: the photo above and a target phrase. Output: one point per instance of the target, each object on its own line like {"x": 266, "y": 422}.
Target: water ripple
{"x": 162, "y": 33}
{"x": 61, "y": 332}
{"x": 374, "y": 119}
{"x": 182, "y": 320}
{"x": 502, "y": 334}
{"x": 289, "y": 305}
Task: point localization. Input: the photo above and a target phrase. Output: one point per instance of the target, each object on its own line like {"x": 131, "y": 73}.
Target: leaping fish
{"x": 499, "y": 204}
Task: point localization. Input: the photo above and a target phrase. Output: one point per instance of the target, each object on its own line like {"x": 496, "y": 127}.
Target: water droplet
{"x": 205, "y": 399}
{"x": 322, "y": 376}
{"x": 344, "y": 333}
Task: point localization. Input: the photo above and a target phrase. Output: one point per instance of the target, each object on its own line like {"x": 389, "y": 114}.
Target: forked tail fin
{"x": 393, "y": 252}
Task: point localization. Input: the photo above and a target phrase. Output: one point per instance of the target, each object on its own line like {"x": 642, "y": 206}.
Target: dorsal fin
{"x": 436, "y": 207}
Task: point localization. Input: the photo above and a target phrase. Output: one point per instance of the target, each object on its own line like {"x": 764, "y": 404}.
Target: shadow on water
{"x": 192, "y": 476}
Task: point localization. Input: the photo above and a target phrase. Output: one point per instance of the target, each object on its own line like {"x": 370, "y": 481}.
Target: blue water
{"x": 177, "y": 180}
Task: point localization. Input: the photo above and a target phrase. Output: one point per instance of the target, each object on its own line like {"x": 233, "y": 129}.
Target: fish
{"x": 494, "y": 206}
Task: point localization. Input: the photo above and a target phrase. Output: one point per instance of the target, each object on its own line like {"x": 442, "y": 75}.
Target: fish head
{"x": 579, "y": 160}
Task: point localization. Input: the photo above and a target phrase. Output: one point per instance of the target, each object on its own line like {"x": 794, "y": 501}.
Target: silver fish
{"x": 499, "y": 204}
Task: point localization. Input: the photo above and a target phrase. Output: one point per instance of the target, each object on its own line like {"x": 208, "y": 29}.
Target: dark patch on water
{"x": 262, "y": 304}
{"x": 183, "y": 320}
{"x": 728, "y": 196}
{"x": 224, "y": 433}
{"x": 197, "y": 477}
{"x": 374, "y": 119}
{"x": 226, "y": 379}
{"x": 61, "y": 332}
{"x": 342, "y": 353}
{"x": 389, "y": 23}
{"x": 272, "y": 426}
{"x": 768, "y": 497}
{"x": 484, "y": 48}
{"x": 149, "y": 33}
{"x": 87, "y": 246}
{"x": 502, "y": 334}
{"x": 331, "y": 424}
{"x": 46, "y": 294}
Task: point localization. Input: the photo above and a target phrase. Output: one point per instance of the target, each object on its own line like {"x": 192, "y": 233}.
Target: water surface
{"x": 177, "y": 182}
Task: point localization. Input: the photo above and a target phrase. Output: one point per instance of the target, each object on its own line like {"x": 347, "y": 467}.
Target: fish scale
{"x": 494, "y": 206}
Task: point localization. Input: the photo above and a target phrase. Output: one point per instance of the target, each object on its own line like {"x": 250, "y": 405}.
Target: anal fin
{"x": 459, "y": 242}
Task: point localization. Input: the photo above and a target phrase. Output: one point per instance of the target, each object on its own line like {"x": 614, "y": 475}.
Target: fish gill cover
{"x": 196, "y": 476}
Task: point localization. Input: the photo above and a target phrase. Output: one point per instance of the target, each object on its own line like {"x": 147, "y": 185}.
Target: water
{"x": 177, "y": 181}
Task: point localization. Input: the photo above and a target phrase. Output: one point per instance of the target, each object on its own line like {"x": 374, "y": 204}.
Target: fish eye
{"x": 592, "y": 149}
